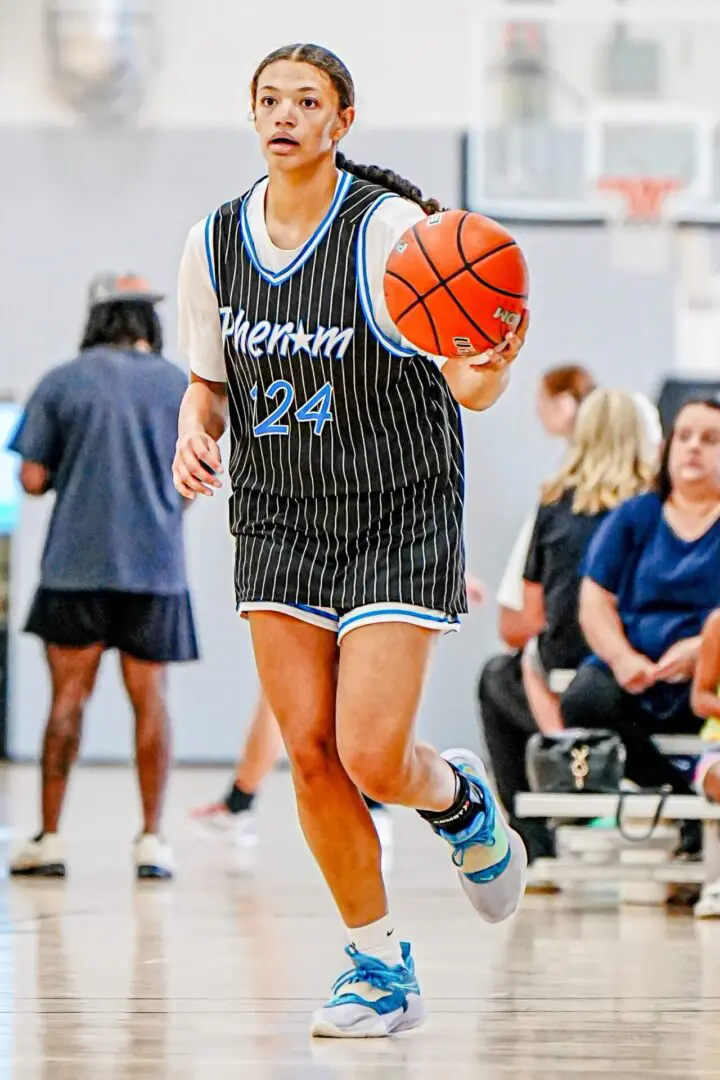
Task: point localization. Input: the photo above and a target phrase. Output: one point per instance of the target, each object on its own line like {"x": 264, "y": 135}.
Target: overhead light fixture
{"x": 101, "y": 53}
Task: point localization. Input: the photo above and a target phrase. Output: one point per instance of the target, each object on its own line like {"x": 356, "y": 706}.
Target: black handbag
{"x": 576, "y": 761}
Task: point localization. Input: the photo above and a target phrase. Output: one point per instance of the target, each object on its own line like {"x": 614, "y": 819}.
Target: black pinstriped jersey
{"x": 321, "y": 402}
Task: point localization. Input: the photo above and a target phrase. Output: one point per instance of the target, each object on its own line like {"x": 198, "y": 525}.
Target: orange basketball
{"x": 456, "y": 284}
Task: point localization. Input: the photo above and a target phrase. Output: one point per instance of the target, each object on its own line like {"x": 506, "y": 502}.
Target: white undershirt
{"x": 199, "y": 325}
{"x": 510, "y": 592}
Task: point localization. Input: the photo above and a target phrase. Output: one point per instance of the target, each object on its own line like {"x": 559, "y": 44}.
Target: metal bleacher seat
{"x": 605, "y": 856}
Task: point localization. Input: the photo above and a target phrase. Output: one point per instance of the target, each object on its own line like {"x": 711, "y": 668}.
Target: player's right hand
{"x": 197, "y": 465}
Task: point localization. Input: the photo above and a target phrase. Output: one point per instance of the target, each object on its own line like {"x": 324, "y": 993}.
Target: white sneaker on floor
{"x": 372, "y": 1000}
{"x": 219, "y": 823}
{"x": 43, "y": 856}
{"x": 708, "y": 906}
{"x": 153, "y": 859}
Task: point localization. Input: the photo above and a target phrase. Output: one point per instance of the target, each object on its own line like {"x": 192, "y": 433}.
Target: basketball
{"x": 456, "y": 283}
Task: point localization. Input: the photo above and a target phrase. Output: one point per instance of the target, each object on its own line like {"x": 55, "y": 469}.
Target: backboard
{"x": 572, "y": 92}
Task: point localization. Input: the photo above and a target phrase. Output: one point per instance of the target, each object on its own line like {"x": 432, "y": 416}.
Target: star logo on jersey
{"x": 301, "y": 340}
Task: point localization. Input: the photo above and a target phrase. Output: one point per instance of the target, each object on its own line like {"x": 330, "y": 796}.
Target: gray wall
{"x": 72, "y": 203}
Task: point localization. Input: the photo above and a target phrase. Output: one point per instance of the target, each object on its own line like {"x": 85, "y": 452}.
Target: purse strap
{"x": 662, "y": 794}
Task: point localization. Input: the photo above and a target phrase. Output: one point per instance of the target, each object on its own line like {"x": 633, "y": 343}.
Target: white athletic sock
{"x": 377, "y": 939}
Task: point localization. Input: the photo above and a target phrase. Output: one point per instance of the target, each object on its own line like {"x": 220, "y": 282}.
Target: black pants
{"x": 507, "y": 724}
{"x": 595, "y": 700}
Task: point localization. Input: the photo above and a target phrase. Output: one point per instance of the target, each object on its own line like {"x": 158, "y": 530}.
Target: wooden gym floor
{"x": 215, "y": 975}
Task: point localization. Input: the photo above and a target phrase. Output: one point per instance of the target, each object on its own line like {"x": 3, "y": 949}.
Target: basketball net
{"x": 641, "y": 230}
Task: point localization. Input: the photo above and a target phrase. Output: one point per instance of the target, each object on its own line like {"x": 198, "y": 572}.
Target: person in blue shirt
{"x": 651, "y": 579}
{"x": 99, "y": 433}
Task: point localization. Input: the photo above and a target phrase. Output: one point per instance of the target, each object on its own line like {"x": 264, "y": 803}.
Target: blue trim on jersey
{"x": 424, "y": 616}
{"x": 329, "y": 615}
{"x": 364, "y": 288}
{"x": 306, "y": 251}
{"x": 208, "y": 248}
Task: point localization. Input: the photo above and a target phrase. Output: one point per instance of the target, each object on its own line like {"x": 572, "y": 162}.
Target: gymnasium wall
{"x": 206, "y": 52}
{"x": 203, "y": 53}
{"x": 73, "y": 202}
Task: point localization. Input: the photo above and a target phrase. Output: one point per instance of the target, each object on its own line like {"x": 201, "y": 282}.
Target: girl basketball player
{"x": 347, "y": 495}
{"x": 233, "y": 817}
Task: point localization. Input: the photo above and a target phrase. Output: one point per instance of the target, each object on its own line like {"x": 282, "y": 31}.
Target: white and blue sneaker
{"x": 372, "y": 999}
{"x": 153, "y": 859}
{"x": 490, "y": 857}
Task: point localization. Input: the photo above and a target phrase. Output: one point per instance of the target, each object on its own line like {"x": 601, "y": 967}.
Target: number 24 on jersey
{"x": 316, "y": 410}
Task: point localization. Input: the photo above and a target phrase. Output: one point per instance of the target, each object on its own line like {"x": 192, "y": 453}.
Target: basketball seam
{"x": 458, "y": 273}
{"x": 470, "y": 266}
{"x": 421, "y": 301}
{"x": 443, "y": 284}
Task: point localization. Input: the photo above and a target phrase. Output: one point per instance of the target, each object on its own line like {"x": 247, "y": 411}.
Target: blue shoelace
{"x": 484, "y": 834}
{"x": 368, "y": 970}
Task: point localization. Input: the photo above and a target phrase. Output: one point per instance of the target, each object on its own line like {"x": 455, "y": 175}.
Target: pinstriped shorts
{"x": 340, "y": 559}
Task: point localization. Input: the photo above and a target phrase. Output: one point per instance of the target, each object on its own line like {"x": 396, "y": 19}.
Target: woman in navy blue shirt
{"x": 651, "y": 578}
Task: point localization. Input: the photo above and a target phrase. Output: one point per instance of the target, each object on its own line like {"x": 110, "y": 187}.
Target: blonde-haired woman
{"x": 610, "y": 459}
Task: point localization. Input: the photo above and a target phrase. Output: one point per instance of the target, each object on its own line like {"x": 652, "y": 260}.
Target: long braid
{"x": 386, "y": 178}
{"x": 337, "y": 72}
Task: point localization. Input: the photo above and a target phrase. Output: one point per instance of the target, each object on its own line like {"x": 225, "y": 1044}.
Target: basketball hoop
{"x": 641, "y": 227}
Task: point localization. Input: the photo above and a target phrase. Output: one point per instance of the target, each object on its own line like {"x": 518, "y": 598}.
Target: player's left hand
{"x": 506, "y": 353}
{"x": 477, "y": 382}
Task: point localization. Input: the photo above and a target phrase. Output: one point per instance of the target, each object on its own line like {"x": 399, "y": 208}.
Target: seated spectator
{"x": 705, "y": 702}
{"x": 609, "y": 459}
{"x": 561, "y": 390}
{"x": 500, "y": 689}
{"x": 560, "y": 393}
{"x": 652, "y": 577}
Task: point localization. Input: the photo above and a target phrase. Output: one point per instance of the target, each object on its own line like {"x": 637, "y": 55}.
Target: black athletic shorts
{"x": 159, "y": 629}
{"x": 400, "y": 547}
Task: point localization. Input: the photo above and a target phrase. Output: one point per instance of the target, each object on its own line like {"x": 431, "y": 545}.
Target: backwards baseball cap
{"x": 109, "y": 288}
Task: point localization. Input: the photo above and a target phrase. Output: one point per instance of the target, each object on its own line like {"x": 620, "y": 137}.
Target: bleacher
{"x": 638, "y": 859}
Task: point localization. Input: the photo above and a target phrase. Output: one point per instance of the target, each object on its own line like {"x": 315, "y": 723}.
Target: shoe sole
{"x": 517, "y": 866}
{"x": 153, "y": 873}
{"x": 51, "y": 870}
{"x": 373, "y": 1027}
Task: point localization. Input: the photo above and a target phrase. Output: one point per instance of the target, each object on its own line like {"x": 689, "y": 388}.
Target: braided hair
{"x": 342, "y": 81}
